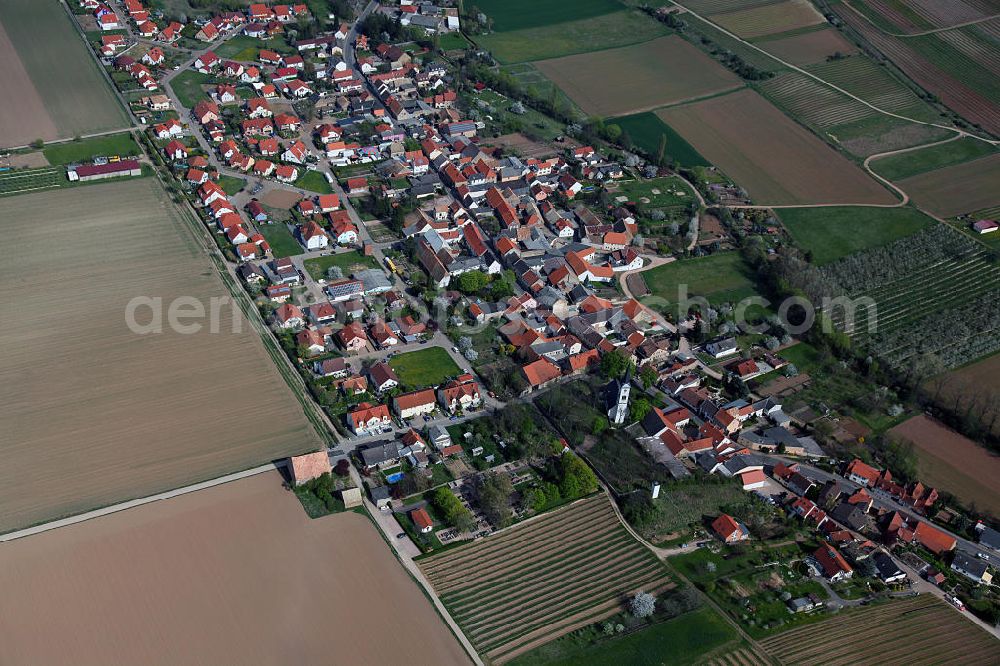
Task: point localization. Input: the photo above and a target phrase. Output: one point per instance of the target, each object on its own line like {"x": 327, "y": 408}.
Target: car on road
{"x": 401, "y": 535}
{"x": 454, "y": 418}
{"x": 455, "y": 349}
{"x": 983, "y": 556}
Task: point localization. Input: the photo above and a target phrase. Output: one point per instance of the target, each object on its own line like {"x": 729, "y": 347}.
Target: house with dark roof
{"x": 972, "y": 567}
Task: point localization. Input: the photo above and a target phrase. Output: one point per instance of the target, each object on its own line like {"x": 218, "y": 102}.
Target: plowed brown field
{"x": 236, "y": 574}
{"x": 94, "y": 413}
{"x": 774, "y": 158}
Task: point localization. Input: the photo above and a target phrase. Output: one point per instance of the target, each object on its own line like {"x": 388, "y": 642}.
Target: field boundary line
{"x": 131, "y": 504}
{"x": 798, "y": 69}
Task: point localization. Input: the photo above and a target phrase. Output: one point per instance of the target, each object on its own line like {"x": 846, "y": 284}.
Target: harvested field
{"x": 32, "y": 160}
{"x": 137, "y": 414}
{"x": 971, "y": 384}
{"x": 280, "y": 198}
{"x": 530, "y": 584}
{"x": 958, "y": 189}
{"x": 810, "y": 47}
{"x": 232, "y": 574}
{"x": 769, "y": 19}
{"x": 720, "y": 6}
{"x": 921, "y": 630}
{"x": 776, "y": 160}
{"x": 663, "y": 71}
{"x": 52, "y": 86}
{"x": 951, "y": 462}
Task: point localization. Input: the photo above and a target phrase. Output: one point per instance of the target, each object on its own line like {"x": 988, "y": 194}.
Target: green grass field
{"x": 720, "y": 278}
{"x": 510, "y": 15}
{"x": 686, "y": 639}
{"x": 188, "y": 87}
{"x": 582, "y": 36}
{"x": 909, "y": 164}
{"x": 314, "y": 181}
{"x": 75, "y": 93}
{"x": 86, "y": 149}
{"x": 348, "y": 262}
{"x": 835, "y": 232}
{"x": 670, "y": 192}
{"x": 803, "y": 356}
{"x": 283, "y": 244}
{"x": 246, "y": 49}
{"x": 645, "y": 131}
{"x": 231, "y": 185}
{"x": 424, "y": 367}
{"x": 453, "y": 41}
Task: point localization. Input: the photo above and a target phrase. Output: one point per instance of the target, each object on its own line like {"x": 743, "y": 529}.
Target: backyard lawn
{"x": 283, "y": 244}
{"x": 425, "y": 367}
{"x": 830, "y": 233}
{"x": 314, "y": 181}
{"x": 348, "y": 262}
{"x": 656, "y": 193}
{"x": 719, "y": 278}
{"x": 82, "y": 151}
{"x": 247, "y": 49}
{"x": 231, "y": 185}
{"x": 188, "y": 87}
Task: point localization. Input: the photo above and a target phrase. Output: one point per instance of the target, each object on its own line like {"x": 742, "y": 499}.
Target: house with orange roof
{"x": 308, "y": 466}
{"x": 415, "y": 403}
{"x": 366, "y": 419}
{"x": 540, "y": 373}
{"x": 729, "y": 529}
{"x": 460, "y": 394}
{"x": 352, "y": 337}
{"x": 422, "y": 520}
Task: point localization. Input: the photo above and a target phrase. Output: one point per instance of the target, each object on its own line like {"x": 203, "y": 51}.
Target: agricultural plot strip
{"x": 887, "y": 633}
{"x": 578, "y": 560}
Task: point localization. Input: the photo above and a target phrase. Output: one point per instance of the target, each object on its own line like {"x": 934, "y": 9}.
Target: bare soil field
{"x": 31, "y": 160}
{"x": 23, "y": 117}
{"x": 523, "y": 145}
{"x": 769, "y": 19}
{"x": 235, "y": 574}
{"x": 638, "y": 78}
{"x": 280, "y": 198}
{"x": 537, "y": 581}
{"x": 958, "y": 189}
{"x": 94, "y": 413}
{"x": 774, "y": 158}
{"x": 921, "y": 630}
{"x": 76, "y": 97}
{"x": 952, "y": 462}
{"x": 979, "y": 381}
{"x": 810, "y": 47}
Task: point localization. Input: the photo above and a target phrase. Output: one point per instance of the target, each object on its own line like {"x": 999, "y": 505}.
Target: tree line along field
{"x": 776, "y": 160}
{"x": 922, "y": 630}
{"x": 52, "y": 86}
{"x": 96, "y": 413}
{"x": 833, "y": 233}
{"x": 964, "y": 85}
{"x": 659, "y": 72}
{"x": 234, "y": 574}
{"x": 646, "y": 130}
{"x": 539, "y": 580}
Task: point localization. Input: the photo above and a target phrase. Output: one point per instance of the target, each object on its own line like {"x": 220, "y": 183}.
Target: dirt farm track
{"x": 94, "y": 413}
{"x": 235, "y": 574}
